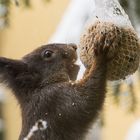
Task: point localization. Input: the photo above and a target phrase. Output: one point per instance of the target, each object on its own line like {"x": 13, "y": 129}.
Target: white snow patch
{"x": 39, "y": 125}
{"x": 134, "y": 132}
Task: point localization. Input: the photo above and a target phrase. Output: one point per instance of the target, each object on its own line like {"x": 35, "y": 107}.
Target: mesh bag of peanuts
{"x": 111, "y": 27}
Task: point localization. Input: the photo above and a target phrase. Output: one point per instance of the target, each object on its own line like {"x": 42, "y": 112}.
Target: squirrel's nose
{"x": 74, "y": 46}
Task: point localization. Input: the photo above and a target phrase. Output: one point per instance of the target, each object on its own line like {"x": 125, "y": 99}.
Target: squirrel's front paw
{"x": 100, "y": 51}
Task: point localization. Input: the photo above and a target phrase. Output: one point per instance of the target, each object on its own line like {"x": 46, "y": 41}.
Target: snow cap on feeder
{"x": 109, "y": 11}
{"x": 111, "y": 27}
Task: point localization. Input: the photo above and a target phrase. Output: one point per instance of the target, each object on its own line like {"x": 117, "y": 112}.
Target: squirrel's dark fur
{"x": 41, "y": 83}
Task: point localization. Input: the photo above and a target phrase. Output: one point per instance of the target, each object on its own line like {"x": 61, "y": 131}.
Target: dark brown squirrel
{"x": 43, "y": 83}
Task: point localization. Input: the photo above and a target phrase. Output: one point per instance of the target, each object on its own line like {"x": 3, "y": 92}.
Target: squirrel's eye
{"x": 48, "y": 54}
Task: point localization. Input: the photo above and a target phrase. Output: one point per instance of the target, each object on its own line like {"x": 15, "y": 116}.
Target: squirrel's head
{"x": 55, "y": 62}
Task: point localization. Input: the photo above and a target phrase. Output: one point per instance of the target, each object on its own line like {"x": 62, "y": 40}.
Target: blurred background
{"x": 27, "y": 24}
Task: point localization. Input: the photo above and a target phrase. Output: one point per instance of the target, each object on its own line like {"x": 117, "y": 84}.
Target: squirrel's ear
{"x": 11, "y": 67}
{"x": 73, "y": 72}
